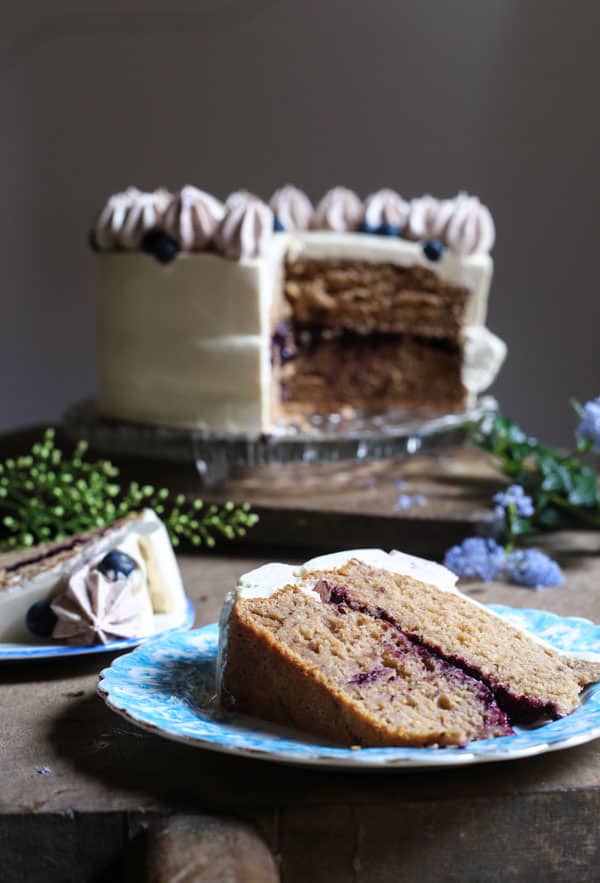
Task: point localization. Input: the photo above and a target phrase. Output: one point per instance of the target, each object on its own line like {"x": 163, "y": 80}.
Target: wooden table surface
{"x": 532, "y": 819}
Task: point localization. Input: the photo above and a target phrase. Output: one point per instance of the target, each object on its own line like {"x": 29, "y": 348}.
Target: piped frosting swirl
{"x": 385, "y": 207}
{"x": 292, "y": 208}
{"x": 428, "y": 217}
{"x": 95, "y": 609}
{"x": 470, "y": 229}
{"x": 109, "y": 223}
{"x": 246, "y": 229}
{"x": 340, "y": 210}
{"x": 192, "y": 218}
{"x": 142, "y": 212}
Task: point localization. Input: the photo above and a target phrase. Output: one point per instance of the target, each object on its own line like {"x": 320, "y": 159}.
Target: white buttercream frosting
{"x": 96, "y": 609}
{"x": 428, "y": 217}
{"x": 192, "y": 218}
{"x": 483, "y": 355}
{"x": 246, "y": 229}
{"x": 470, "y": 229}
{"x": 292, "y": 208}
{"x": 385, "y": 207}
{"x": 240, "y": 196}
{"x": 145, "y": 212}
{"x": 340, "y": 210}
{"x": 109, "y": 223}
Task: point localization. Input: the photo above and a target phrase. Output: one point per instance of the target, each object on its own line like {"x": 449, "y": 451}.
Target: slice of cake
{"x": 92, "y": 587}
{"x": 243, "y": 316}
{"x": 374, "y": 649}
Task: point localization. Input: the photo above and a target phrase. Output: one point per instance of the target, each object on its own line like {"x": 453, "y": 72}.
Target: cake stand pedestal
{"x": 325, "y": 440}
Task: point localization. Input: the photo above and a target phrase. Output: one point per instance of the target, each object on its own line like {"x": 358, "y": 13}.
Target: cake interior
{"x": 370, "y": 336}
{"x": 366, "y": 656}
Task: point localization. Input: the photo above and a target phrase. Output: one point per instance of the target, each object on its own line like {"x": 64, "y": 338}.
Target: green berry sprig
{"x": 45, "y": 496}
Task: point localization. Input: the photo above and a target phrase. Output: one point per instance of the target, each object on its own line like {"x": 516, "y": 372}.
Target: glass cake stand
{"x": 324, "y": 439}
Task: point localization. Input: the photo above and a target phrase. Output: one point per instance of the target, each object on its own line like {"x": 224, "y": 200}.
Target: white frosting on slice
{"x": 20, "y": 593}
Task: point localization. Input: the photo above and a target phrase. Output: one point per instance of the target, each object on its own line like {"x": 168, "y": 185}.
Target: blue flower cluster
{"x": 513, "y": 496}
{"x": 484, "y": 559}
{"x": 407, "y": 501}
{"x": 532, "y": 568}
{"x": 476, "y": 558}
{"x": 589, "y": 427}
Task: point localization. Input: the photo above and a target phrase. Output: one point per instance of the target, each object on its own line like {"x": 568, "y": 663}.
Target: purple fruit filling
{"x": 505, "y": 705}
{"x": 368, "y": 677}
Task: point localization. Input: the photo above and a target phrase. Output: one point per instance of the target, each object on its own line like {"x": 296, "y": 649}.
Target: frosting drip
{"x": 145, "y": 211}
{"x": 339, "y": 210}
{"x": 470, "y": 229}
{"x": 246, "y": 229}
{"x": 192, "y": 218}
{"x": 96, "y": 609}
{"x": 385, "y": 207}
{"x": 292, "y": 208}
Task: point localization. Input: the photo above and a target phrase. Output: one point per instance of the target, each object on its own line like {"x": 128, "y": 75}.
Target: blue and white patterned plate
{"x": 163, "y": 624}
{"x": 168, "y": 687}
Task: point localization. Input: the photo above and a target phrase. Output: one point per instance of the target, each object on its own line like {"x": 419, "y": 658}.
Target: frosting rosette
{"x": 292, "y": 208}
{"x": 428, "y": 217}
{"x": 240, "y": 196}
{"x": 340, "y": 210}
{"x": 145, "y": 212}
{"x": 96, "y": 609}
{"x": 385, "y": 208}
{"x": 111, "y": 219}
{"x": 192, "y": 218}
{"x": 470, "y": 228}
{"x": 246, "y": 229}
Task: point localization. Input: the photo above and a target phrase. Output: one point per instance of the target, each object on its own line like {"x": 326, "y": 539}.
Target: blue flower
{"x": 407, "y": 501}
{"x": 514, "y": 495}
{"x": 589, "y": 427}
{"x": 532, "y": 568}
{"x": 476, "y": 558}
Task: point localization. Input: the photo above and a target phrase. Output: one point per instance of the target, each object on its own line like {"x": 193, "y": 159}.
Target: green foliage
{"x": 45, "y": 496}
{"x": 563, "y": 488}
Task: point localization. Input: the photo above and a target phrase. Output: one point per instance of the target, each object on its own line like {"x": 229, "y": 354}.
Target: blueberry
{"x": 388, "y": 230}
{"x": 116, "y": 564}
{"x": 277, "y": 225}
{"x": 433, "y": 249}
{"x": 157, "y": 243}
{"x": 41, "y": 619}
{"x": 366, "y": 228}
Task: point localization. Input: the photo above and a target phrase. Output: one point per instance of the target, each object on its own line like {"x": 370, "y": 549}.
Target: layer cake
{"x": 243, "y": 316}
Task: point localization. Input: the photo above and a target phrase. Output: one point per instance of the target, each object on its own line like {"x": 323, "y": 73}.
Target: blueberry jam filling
{"x": 510, "y": 706}
{"x": 369, "y": 677}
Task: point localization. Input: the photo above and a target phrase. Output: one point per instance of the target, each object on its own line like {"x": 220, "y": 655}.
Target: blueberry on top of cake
{"x": 375, "y": 649}
{"x": 382, "y": 300}
{"x": 92, "y": 587}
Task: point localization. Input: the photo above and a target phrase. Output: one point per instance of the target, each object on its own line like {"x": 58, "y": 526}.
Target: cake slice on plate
{"x": 375, "y": 649}
{"x": 92, "y": 587}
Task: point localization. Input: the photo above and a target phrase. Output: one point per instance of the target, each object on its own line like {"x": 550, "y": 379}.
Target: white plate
{"x": 163, "y": 624}
{"x": 168, "y": 687}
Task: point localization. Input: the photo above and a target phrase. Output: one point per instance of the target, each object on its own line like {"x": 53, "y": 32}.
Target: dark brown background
{"x": 498, "y": 97}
